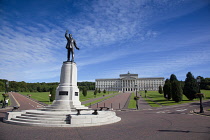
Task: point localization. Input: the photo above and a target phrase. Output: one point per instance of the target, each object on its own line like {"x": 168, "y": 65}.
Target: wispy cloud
{"x": 26, "y": 49}
{"x": 33, "y": 46}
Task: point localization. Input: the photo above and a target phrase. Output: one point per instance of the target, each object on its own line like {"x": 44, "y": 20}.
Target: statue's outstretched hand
{"x": 77, "y": 48}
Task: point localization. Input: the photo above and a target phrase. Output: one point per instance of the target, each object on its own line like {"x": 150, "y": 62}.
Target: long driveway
{"x": 23, "y": 102}
{"x": 117, "y": 102}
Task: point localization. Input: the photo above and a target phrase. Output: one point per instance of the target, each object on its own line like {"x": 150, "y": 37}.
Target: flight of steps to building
{"x": 61, "y": 119}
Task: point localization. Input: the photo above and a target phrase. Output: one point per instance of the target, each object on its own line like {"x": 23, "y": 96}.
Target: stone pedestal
{"x": 67, "y": 93}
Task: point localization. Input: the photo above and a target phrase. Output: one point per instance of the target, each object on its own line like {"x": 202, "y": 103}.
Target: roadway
{"x": 23, "y": 102}
{"x": 171, "y": 122}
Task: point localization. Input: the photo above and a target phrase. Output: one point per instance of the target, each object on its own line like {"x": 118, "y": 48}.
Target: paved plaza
{"x": 171, "y": 122}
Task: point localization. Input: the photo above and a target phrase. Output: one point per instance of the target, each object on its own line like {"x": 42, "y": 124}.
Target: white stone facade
{"x": 129, "y": 82}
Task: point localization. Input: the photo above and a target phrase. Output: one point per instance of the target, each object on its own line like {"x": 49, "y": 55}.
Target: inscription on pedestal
{"x": 63, "y": 92}
{"x": 76, "y": 93}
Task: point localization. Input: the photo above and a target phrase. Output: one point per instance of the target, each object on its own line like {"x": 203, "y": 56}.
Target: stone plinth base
{"x": 61, "y": 119}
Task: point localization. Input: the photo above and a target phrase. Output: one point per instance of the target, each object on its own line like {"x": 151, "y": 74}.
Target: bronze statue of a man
{"x": 71, "y": 43}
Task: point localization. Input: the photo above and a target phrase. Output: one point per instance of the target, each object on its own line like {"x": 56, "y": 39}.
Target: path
{"x": 143, "y": 105}
{"x": 116, "y": 102}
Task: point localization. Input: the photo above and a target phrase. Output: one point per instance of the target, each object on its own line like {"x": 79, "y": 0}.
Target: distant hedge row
{"x": 39, "y": 87}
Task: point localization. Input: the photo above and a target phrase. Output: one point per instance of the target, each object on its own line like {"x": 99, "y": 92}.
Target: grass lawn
{"x": 151, "y": 103}
{"x": 44, "y": 96}
{"x": 88, "y": 104}
{"x": 154, "y": 95}
{"x": 2, "y": 98}
{"x": 132, "y": 102}
{"x": 206, "y": 94}
{"x": 40, "y": 96}
{"x": 90, "y": 95}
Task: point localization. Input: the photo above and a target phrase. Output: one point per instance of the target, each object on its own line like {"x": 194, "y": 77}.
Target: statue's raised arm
{"x": 66, "y": 34}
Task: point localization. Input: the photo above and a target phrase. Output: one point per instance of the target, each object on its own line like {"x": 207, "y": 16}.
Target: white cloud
{"x": 26, "y": 48}
{"x": 31, "y": 49}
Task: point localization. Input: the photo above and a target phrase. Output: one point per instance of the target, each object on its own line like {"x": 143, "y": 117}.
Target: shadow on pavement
{"x": 182, "y": 131}
{"x": 195, "y": 104}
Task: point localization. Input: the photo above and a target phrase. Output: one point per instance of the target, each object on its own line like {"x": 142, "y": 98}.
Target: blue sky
{"x": 152, "y": 38}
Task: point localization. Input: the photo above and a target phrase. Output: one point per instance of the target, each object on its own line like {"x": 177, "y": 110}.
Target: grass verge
{"x": 132, "y": 102}
{"x": 39, "y": 96}
{"x": 158, "y": 98}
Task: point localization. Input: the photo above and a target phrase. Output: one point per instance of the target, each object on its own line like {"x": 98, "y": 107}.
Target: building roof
{"x": 130, "y": 76}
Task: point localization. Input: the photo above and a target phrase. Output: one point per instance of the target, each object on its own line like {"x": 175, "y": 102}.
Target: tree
{"x": 104, "y": 91}
{"x": 95, "y": 93}
{"x": 205, "y": 83}
{"x": 2, "y": 85}
{"x": 99, "y": 90}
{"x": 160, "y": 89}
{"x": 167, "y": 89}
{"x": 173, "y": 78}
{"x": 84, "y": 92}
{"x": 87, "y": 85}
{"x": 190, "y": 87}
{"x": 207, "y": 87}
{"x": 52, "y": 92}
{"x": 176, "y": 91}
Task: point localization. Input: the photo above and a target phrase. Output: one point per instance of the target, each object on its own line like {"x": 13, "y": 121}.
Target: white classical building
{"x": 129, "y": 82}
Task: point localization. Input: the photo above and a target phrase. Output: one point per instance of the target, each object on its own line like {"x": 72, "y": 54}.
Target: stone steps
{"x": 58, "y": 119}
{"x": 42, "y": 116}
{"x": 36, "y": 124}
{"x": 41, "y": 121}
{"x": 49, "y": 113}
{"x": 60, "y": 108}
{"x": 38, "y": 118}
{"x": 60, "y": 125}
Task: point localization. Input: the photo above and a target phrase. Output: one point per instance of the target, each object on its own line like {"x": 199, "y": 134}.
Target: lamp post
{"x": 49, "y": 97}
{"x": 6, "y": 86}
{"x": 200, "y": 95}
{"x": 136, "y": 98}
{"x": 111, "y": 89}
{"x": 136, "y": 89}
{"x": 5, "y": 95}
